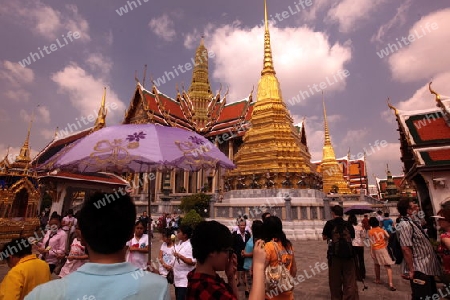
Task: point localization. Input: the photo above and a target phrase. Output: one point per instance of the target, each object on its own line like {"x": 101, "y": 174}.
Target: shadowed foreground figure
{"x": 341, "y": 270}
{"x": 27, "y": 271}
{"x": 212, "y": 247}
{"x": 105, "y": 231}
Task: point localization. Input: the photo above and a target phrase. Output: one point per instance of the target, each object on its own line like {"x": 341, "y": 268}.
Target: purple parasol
{"x": 139, "y": 148}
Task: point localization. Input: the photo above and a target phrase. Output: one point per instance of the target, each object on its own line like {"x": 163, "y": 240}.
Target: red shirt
{"x": 205, "y": 287}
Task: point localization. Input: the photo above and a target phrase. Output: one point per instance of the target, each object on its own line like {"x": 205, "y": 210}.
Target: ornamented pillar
{"x": 186, "y": 181}
{"x": 172, "y": 180}
{"x": 230, "y": 149}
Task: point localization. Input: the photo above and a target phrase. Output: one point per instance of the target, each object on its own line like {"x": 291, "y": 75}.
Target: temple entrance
{"x": 19, "y": 206}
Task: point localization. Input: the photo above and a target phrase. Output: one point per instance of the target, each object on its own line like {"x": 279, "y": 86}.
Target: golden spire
{"x": 327, "y": 132}
{"x": 200, "y": 90}
{"x": 101, "y": 118}
{"x": 268, "y": 62}
{"x": 24, "y": 155}
{"x": 332, "y": 174}
{"x": 272, "y": 126}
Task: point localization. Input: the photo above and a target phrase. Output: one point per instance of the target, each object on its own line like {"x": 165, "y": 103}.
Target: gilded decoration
{"x": 272, "y": 154}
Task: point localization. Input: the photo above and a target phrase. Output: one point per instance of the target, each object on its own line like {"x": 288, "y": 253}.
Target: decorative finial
{"x": 101, "y": 118}
{"x": 268, "y": 62}
{"x": 55, "y": 136}
{"x": 24, "y": 155}
{"x": 327, "y": 132}
{"x": 391, "y": 106}
{"x": 266, "y": 19}
{"x": 145, "y": 73}
{"x": 438, "y": 97}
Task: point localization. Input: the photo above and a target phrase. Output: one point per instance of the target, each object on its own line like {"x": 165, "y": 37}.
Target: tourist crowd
{"x": 94, "y": 256}
{"x": 97, "y": 258}
{"x": 407, "y": 242}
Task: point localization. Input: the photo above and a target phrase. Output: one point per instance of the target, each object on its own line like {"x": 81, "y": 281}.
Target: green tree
{"x": 46, "y": 201}
{"x": 198, "y": 202}
{"x": 192, "y": 218}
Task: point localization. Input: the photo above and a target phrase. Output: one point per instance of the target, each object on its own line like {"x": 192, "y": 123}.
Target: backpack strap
{"x": 278, "y": 252}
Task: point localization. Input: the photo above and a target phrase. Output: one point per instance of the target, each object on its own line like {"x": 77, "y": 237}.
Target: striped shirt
{"x": 424, "y": 257}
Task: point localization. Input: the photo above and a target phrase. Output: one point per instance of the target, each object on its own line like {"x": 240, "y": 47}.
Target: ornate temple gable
{"x": 23, "y": 183}
{"x": 138, "y": 112}
{"x": 407, "y": 155}
{"x": 5, "y": 164}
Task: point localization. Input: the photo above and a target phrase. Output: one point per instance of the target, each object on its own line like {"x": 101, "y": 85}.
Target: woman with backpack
{"x": 378, "y": 250}
{"x": 278, "y": 249}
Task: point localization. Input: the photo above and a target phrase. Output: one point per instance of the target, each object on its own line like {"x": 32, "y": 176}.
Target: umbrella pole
{"x": 149, "y": 208}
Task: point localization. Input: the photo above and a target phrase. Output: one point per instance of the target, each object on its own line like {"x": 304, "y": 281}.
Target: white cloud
{"x": 99, "y": 62}
{"x": 353, "y": 136}
{"x": 4, "y": 116}
{"x": 48, "y": 134}
{"x": 163, "y": 27}
{"x": 350, "y": 14}
{"x": 15, "y": 73}
{"x": 398, "y": 20}
{"x": 381, "y": 156}
{"x": 410, "y": 63}
{"x": 302, "y": 58}
{"x": 41, "y": 114}
{"x": 310, "y": 14}
{"x": 19, "y": 95}
{"x": 44, "y": 20}
{"x": 17, "y": 78}
{"x": 192, "y": 39}
{"x": 84, "y": 90}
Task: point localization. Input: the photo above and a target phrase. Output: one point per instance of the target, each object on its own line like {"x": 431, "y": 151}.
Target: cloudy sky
{"x": 56, "y": 57}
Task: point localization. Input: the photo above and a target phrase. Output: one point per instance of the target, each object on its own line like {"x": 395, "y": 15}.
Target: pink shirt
{"x": 57, "y": 245}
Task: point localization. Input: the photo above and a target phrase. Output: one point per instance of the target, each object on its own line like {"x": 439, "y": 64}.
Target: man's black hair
{"x": 187, "y": 230}
{"x": 18, "y": 247}
{"x": 166, "y": 232}
{"x": 107, "y": 228}
{"x": 338, "y": 210}
{"x": 257, "y": 230}
{"x": 386, "y": 214}
{"x": 403, "y": 206}
{"x": 374, "y": 222}
{"x": 55, "y": 216}
{"x": 273, "y": 228}
{"x": 210, "y": 237}
{"x": 264, "y": 215}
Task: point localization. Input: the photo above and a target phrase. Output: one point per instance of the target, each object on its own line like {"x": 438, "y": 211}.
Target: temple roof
{"x": 106, "y": 178}
{"x": 58, "y": 144}
{"x": 155, "y": 107}
{"x": 425, "y": 134}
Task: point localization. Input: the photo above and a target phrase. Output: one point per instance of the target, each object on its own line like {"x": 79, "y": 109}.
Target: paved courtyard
{"x": 307, "y": 254}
